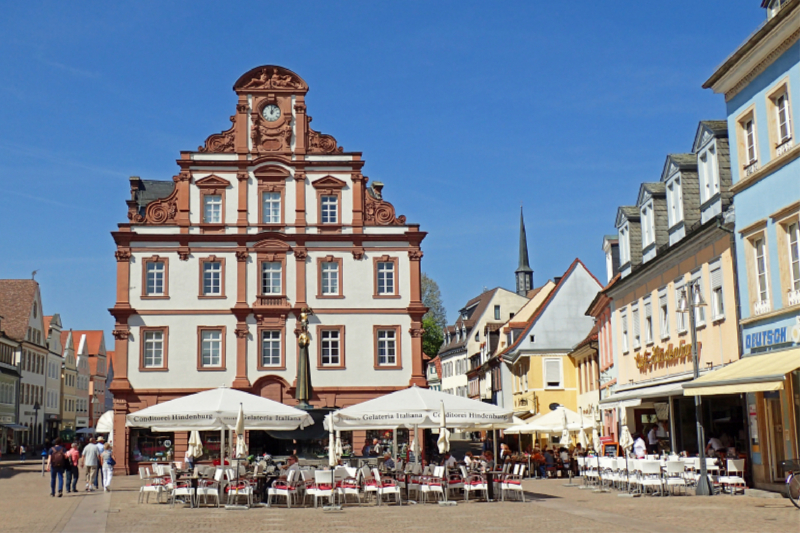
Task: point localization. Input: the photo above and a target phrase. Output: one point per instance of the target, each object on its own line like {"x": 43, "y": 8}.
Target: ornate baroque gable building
{"x": 261, "y": 221}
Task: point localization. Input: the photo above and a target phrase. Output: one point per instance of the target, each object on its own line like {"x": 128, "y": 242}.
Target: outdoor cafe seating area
{"x": 262, "y": 484}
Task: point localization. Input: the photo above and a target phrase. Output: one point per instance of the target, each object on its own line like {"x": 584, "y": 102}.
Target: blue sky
{"x": 463, "y": 109}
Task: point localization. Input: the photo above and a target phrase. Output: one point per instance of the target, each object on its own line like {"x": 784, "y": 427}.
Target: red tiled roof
{"x": 93, "y": 340}
{"x": 47, "y": 320}
{"x": 16, "y": 300}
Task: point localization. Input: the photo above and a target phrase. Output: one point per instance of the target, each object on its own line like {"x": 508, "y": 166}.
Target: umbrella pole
{"x": 222, "y": 447}
{"x": 494, "y": 446}
{"x": 394, "y": 444}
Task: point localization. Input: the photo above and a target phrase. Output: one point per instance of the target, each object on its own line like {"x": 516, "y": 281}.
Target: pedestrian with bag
{"x": 108, "y": 466}
{"x": 72, "y": 468}
{"x": 56, "y": 464}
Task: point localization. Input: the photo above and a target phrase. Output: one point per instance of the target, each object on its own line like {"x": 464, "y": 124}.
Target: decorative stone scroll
{"x": 380, "y": 213}
{"x": 220, "y": 142}
{"x": 162, "y": 211}
{"x": 320, "y": 143}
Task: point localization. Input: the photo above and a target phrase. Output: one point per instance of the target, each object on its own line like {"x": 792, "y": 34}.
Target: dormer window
{"x": 649, "y": 226}
{"x": 709, "y": 174}
{"x": 774, "y": 6}
{"x": 674, "y": 201}
{"x": 624, "y": 245}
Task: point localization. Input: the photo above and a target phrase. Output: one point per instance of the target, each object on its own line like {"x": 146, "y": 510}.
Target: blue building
{"x": 761, "y": 84}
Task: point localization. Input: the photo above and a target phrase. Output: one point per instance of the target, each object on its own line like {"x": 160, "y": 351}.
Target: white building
{"x": 52, "y": 393}
{"x": 214, "y": 266}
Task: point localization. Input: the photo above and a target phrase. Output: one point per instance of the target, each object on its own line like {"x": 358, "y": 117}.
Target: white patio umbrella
{"x": 105, "y": 424}
{"x": 417, "y": 407}
{"x": 195, "y": 445}
{"x": 625, "y": 438}
{"x": 241, "y": 445}
{"x": 552, "y": 423}
{"x": 218, "y": 409}
{"x": 332, "y": 459}
{"x": 565, "y": 432}
{"x": 584, "y": 442}
{"x": 339, "y": 447}
{"x": 444, "y": 434}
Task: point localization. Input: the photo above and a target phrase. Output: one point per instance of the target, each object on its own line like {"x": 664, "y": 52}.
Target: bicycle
{"x": 792, "y": 471}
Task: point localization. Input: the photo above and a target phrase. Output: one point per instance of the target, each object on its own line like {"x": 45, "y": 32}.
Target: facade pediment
{"x": 270, "y": 78}
{"x": 650, "y": 190}
{"x": 677, "y": 162}
{"x": 627, "y": 213}
{"x": 271, "y": 245}
{"x": 212, "y": 182}
{"x": 328, "y": 182}
{"x": 708, "y": 130}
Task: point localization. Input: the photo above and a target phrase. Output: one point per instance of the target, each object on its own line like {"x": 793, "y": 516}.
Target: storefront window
{"x": 150, "y": 446}
{"x": 211, "y": 445}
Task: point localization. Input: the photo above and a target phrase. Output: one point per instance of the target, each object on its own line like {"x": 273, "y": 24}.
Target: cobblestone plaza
{"x": 27, "y": 507}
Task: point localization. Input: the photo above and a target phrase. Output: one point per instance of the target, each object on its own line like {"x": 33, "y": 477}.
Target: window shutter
{"x": 716, "y": 277}
{"x": 636, "y": 324}
{"x": 662, "y": 299}
{"x": 648, "y": 311}
{"x": 552, "y": 371}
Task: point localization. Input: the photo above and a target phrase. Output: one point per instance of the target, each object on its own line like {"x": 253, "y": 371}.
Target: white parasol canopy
{"x": 105, "y": 424}
{"x": 416, "y": 407}
{"x": 553, "y": 423}
{"x": 195, "y": 444}
{"x": 338, "y": 446}
{"x": 564, "y": 432}
{"x": 216, "y": 409}
{"x": 625, "y": 438}
{"x": 241, "y": 445}
{"x": 584, "y": 442}
{"x": 444, "y": 434}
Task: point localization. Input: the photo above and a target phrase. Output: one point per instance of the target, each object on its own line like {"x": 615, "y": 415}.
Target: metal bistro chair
{"x": 324, "y": 486}
{"x": 734, "y": 479}
{"x": 513, "y": 483}
{"x": 284, "y": 489}
{"x": 149, "y": 485}
{"x": 386, "y": 486}
{"x": 180, "y": 489}
{"x": 206, "y": 487}
{"x": 433, "y": 484}
{"x": 651, "y": 476}
{"x": 673, "y": 476}
{"x": 474, "y": 483}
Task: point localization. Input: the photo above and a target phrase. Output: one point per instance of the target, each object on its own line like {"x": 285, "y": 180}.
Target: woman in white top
{"x": 639, "y": 447}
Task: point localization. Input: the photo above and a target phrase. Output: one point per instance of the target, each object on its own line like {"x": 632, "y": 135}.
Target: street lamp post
{"x": 36, "y": 408}
{"x": 687, "y": 305}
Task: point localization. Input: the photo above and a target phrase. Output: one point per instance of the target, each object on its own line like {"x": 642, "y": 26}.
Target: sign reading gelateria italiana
{"x": 669, "y": 355}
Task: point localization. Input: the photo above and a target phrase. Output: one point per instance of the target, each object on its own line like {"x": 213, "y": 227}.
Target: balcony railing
{"x": 751, "y": 168}
{"x": 784, "y": 146}
{"x": 762, "y": 307}
{"x": 794, "y": 297}
{"x": 271, "y": 300}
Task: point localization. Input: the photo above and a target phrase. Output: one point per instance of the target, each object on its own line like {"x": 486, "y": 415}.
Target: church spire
{"x": 524, "y": 272}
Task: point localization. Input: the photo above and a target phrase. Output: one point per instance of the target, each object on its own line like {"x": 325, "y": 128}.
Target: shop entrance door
{"x": 775, "y": 434}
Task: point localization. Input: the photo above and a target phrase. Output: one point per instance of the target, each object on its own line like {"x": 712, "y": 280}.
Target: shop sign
{"x": 6, "y": 419}
{"x": 765, "y": 338}
{"x": 663, "y": 356}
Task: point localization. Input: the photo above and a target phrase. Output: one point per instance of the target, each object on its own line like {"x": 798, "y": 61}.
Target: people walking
{"x": 22, "y": 452}
{"x": 72, "y": 468}
{"x": 56, "y": 464}
{"x": 108, "y": 462}
{"x": 98, "y": 474}
{"x": 90, "y": 459}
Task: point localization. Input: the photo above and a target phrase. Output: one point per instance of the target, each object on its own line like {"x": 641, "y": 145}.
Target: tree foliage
{"x": 435, "y": 319}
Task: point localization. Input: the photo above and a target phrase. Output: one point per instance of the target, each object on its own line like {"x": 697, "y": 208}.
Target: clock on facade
{"x": 271, "y": 113}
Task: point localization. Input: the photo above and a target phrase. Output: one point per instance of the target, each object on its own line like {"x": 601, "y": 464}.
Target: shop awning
{"x": 634, "y": 397}
{"x": 755, "y": 373}
{"x": 16, "y": 427}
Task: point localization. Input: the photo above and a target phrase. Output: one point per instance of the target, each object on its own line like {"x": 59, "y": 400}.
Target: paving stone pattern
{"x": 25, "y": 506}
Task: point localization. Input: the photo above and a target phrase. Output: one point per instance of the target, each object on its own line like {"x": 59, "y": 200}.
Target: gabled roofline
{"x": 543, "y": 307}
{"x": 649, "y": 190}
{"x": 720, "y": 132}
{"x": 680, "y": 165}
{"x": 622, "y": 215}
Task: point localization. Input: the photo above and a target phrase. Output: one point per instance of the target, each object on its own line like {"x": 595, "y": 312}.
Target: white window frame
{"x": 793, "y": 250}
{"x": 387, "y": 347}
{"x": 675, "y": 201}
{"x": 211, "y": 348}
{"x": 663, "y": 313}
{"x": 153, "y": 349}
{"x": 697, "y": 284}
{"x": 623, "y": 317}
{"x": 270, "y": 207}
{"x": 329, "y": 278}
{"x": 155, "y": 277}
{"x": 761, "y": 264}
{"x": 637, "y": 327}
{"x": 212, "y": 208}
{"x": 387, "y": 281}
{"x": 545, "y": 382}
{"x": 681, "y": 319}
{"x": 271, "y": 273}
{"x": 786, "y": 122}
{"x": 750, "y": 141}
{"x": 648, "y": 322}
{"x": 330, "y": 347}
{"x": 269, "y": 345}
{"x": 212, "y": 278}
{"x": 624, "y": 244}
{"x": 329, "y": 207}
{"x": 717, "y": 294}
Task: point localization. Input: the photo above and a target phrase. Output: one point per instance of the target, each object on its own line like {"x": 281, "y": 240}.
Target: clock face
{"x": 271, "y": 113}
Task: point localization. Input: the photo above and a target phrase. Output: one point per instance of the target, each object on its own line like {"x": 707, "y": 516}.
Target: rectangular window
{"x": 330, "y": 348}
{"x": 497, "y": 312}
{"x": 648, "y": 323}
{"x": 271, "y": 207}
{"x": 330, "y": 209}
{"x": 750, "y": 141}
{"x": 697, "y": 287}
{"x": 270, "y": 348}
{"x": 153, "y": 349}
{"x": 212, "y": 278}
{"x": 155, "y": 278}
{"x": 759, "y": 249}
{"x": 717, "y": 302}
{"x": 782, "y": 111}
{"x": 637, "y": 336}
{"x": 330, "y": 278}
{"x": 387, "y": 347}
{"x": 271, "y": 278}
{"x": 552, "y": 374}
{"x": 664, "y": 314}
{"x": 680, "y": 318}
{"x": 386, "y": 277}
{"x": 624, "y": 319}
{"x": 793, "y": 235}
{"x": 212, "y": 208}
{"x": 211, "y": 347}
